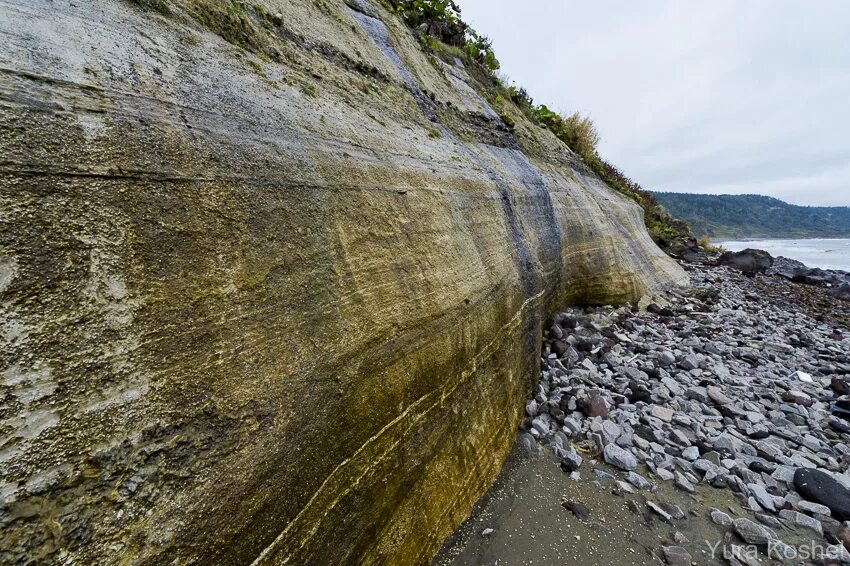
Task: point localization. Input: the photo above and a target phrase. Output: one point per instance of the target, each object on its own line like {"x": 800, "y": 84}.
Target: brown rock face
{"x": 271, "y": 286}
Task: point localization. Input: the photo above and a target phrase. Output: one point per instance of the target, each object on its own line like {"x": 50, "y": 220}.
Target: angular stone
{"x": 659, "y": 511}
{"x": 783, "y": 474}
{"x": 673, "y": 386}
{"x": 673, "y": 510}
{"x": 838, "y": 553}
{"x": 637, "y": 480}
{"x": 540, "y": 425}
{"x": 610, "y": 432}
{"x": 697, "y": 394}
{"x": 803, "y": 376}
{"x": 813, "y": 508}
{"x": 778, "y": 550}
{"x": 676, "y": 556}
{"x": 579, "y": 510}
{"x": 664, "y": 475}
{"x": 727, "y": 443}
{"x": 801, "y": 520}
{"x": 717, "y": 395}
{"x": 690, "y": 453}
{"x": 572, "y": 425}
{"x": 769, "y": 520}
{"x": 570, "y": 459}
{"x": 797, "y": 397}
{"x": 619, "y": 457}
{"x": 762, "y": 496}
{"x": 593, "y": 406}
{"x": 680, "y": 438}
{"x": 718, "y": 517}
{"x": 683, "y": 483}
{"x": 689, "y": 362}
{"x": 663, "y": 413}
{"x": 751, "y": 532}
{"x": 666, "y": 359}
{"x": 713, "y": 457}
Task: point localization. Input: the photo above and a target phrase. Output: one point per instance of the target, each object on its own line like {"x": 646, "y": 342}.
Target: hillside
{"x": 728, "y": 217}
{"x": 274, "y": 277}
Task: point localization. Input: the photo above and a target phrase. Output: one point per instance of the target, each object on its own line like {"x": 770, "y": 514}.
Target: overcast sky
{"x": 723, "y": 96}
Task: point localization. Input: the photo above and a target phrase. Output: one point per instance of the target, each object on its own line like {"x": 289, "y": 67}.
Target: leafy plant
{"x": 480, "y": 48}
{"x": 705, "y": 243}
{"x": 441, "y": 19}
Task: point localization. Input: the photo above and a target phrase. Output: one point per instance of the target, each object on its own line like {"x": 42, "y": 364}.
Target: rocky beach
{"x": 707, "y": 426}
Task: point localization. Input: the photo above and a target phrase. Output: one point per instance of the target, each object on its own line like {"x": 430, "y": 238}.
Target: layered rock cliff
{"x": 272, "y": 281}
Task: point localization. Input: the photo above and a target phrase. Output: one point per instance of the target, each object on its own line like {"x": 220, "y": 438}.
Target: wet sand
{"x": 531, "y": 527}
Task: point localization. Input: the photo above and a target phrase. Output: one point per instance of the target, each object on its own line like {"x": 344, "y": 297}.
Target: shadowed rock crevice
{"x": 260, "y": 305}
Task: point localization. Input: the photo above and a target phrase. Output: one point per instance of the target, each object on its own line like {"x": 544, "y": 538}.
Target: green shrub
{"x": 441, "y": 19}
{"x": 480, "y": 49}
{"x": 575, "y": 130}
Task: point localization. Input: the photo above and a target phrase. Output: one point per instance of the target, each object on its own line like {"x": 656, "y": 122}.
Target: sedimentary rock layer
{"x": 271, "y": 281}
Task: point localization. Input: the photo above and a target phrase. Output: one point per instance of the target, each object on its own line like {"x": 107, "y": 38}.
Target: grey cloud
{"x": 726, "y": 96}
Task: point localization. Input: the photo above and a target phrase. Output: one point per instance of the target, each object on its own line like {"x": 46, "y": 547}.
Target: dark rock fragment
{"x": 820, "y": 487}
{"x": 749, "y": 261}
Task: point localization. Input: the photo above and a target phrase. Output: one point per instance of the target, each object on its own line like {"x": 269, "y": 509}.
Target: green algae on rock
{"x": 269, "y": 317}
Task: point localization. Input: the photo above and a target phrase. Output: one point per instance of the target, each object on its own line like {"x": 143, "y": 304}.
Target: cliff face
{"x": 272, "y": 281}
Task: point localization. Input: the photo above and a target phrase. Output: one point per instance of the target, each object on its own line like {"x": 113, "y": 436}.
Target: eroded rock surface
{"x": 272, "y": 281}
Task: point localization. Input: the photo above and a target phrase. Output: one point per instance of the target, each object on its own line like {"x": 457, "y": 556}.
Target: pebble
{"x": 570, "y": 459}
{"x": 637, "y": 480}
{"x": 750, "y": 532}
{"x": 724, "y": 389}
{"x": 691, "y": 453}
{"x": 762, "y": 496}
{"x": 619, "y": 458}
{"x": 579, "y": 510}
{"x": 813, "y": 508}
{"x": 682, "y": 483}
{"x": 797, "y": 518}
{"x": 659, "y": 511}
{"x": 718, "y": 517}
{"x": 676, "y": 556}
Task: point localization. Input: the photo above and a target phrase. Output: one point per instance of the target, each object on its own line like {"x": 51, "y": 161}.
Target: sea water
{"x": 826, "y": 253}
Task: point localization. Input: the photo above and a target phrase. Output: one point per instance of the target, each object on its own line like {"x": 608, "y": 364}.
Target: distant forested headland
{"x": 731, "y": 217}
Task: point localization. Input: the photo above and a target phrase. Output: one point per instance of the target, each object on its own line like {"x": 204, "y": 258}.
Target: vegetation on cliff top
{"x": 441, "y": 19}
{"x": 439, "y": 22}
{"x": 581, "y": 135}
{"x": 728, "y": 217}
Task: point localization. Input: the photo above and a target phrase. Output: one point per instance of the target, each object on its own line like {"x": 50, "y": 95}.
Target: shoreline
{"x": 769, "y": 239}
{"x": 822, "y": 253}
{"x": 707, "y": 400}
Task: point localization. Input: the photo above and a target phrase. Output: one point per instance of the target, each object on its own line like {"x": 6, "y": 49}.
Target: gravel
{"x": 718, "y": 385}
